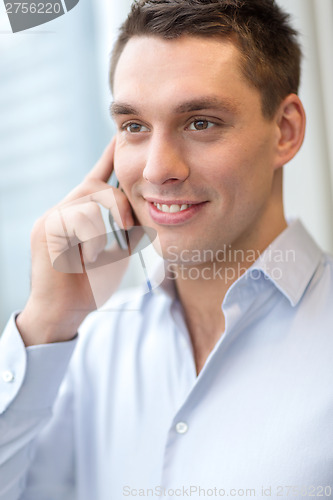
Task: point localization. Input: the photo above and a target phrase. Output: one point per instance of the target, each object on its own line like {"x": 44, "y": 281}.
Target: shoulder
{"x": 323, "y": 275}
{"x": 125, "y": 318}
{"x": 328, "y": 261}
{"x": 318, "y": 296}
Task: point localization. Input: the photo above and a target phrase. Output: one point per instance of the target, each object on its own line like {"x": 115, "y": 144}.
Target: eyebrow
{"x": 119, "y": 108}
{"x": 228, "y": 105}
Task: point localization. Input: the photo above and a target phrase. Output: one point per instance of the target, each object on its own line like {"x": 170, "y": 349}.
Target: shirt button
{"x": 181, "y": 427}
{"x": 7, "y": 376}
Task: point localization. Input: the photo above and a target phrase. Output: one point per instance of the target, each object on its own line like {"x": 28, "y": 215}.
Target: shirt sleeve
{"x": 35, "y": 418}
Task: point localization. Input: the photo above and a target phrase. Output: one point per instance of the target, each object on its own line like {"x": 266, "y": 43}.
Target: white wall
{"x": 308, "y": 178}
{"x": 52, "y": 130}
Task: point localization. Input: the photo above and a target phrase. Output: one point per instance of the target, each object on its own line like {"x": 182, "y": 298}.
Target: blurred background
{"x": 54, "y": 123}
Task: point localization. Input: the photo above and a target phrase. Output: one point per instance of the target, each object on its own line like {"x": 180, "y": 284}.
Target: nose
{"x": 165, "y": 162}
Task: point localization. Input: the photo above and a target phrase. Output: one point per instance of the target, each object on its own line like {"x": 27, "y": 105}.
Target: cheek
{"x": 127, "y": 165}
{"x": 241, "y": 178}
{"x": 221, "y": 169}
{"x": 212, "y": 164}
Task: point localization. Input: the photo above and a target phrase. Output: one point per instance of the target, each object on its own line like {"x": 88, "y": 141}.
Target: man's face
{"x": 191, "y": 136}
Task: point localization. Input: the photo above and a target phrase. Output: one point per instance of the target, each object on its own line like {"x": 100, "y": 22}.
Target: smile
{"x": 175, "y": 212}
{"x": 171, "y": 209}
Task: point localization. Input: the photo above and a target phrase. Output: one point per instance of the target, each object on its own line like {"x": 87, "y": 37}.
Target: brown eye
{"x": 134, "y": 128}
{"x": 200, "y": 125}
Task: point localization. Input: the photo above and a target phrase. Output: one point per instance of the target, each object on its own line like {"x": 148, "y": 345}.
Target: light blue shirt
{"x": 132, "y": 419}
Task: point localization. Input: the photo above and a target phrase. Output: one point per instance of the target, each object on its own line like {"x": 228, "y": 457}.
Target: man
{"x": 218, "y": 385}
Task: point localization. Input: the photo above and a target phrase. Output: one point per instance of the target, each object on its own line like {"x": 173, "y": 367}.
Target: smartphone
{"x": 121, "y": 235}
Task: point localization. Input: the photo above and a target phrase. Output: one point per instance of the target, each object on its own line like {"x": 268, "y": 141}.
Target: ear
{"x": 290, "y": 121}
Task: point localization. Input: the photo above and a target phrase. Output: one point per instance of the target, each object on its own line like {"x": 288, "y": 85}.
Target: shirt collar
{"x": 162, "y": 280}
{"x": 290, "y": 261}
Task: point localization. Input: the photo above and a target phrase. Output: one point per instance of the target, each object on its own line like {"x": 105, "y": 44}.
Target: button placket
{"x": 7, "y": 376}
{"x": 181, "y": 427}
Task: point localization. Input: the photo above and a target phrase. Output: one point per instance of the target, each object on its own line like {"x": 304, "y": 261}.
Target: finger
{"x": 104, "y": 167}
{"x": 86, "y": 224}
{"x": 118, "y": 205}
{"x": 110, "y": 198}
{"x": 92, "y": 232}
{"x": 84, "y": 221}
{"x": 57, "y": 237}
{"x": 114, "y": 200}
{"x": 65, "y": 227}
{"x": 92, "y": 248}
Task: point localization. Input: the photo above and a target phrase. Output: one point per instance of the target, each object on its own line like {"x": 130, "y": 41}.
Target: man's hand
{"x": 72, "y": 235}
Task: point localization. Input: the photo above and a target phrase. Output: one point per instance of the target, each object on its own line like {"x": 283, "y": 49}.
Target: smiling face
{"x": 194, "y": 154}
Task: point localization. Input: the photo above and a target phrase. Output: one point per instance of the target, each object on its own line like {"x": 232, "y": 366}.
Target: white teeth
{"x": 172, "y": 209}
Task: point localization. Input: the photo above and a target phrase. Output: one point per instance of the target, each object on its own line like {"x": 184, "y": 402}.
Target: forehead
{"x": 170, "y": 71}
{"x": 153, "y": 58}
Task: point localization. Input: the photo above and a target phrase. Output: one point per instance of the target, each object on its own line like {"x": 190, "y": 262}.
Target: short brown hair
{"x": 270, "y": 52}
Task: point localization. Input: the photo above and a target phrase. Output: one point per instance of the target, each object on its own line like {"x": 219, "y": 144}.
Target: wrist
{"x": 37, "y": 327}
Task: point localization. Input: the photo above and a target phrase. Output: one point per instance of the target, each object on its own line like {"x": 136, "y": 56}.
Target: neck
{"x": 201, "y": 302}
{"x": 202, "y": 287}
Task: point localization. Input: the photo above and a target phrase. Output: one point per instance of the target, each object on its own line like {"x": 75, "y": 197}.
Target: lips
{"x": 171, "y": 209}
{"x": 173, "y": 212}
